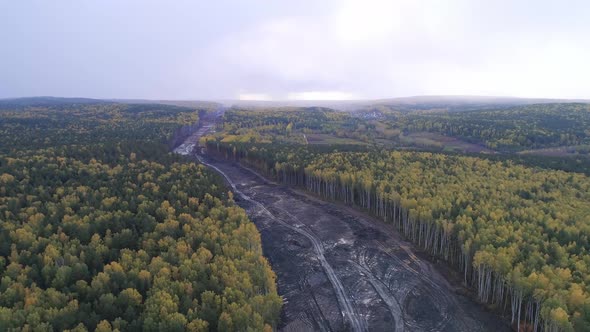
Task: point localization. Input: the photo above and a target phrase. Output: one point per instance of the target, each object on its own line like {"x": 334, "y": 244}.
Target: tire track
{"x": 381, "y": 289}
{"x": 347, "y": 309}
{"x": 360, "y": 323}
{"x": 443, "y": 300}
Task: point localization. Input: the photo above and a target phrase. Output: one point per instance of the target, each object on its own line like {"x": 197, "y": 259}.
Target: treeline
{"x": 103, "y": 229}
{"x": 508, "y": 130}
{"x": 520, "y": 236}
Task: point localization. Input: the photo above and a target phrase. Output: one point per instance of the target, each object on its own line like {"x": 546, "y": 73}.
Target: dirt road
{"x": 340, "y": 271}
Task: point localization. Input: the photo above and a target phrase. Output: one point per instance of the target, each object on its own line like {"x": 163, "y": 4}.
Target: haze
{"x": 279, "y": 50}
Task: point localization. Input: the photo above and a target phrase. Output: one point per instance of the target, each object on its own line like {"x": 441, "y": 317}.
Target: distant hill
{"x": 201, "y": 104}
{"x": 47, "y": 101}
{"x": 461, "y": 103}
{"x": 402, "y": 104}
{"x": 57, "y": 101}
{"x": 408, "y": 104}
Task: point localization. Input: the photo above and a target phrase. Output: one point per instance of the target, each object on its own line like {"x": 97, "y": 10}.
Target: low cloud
{"x": 322, "y": 95}
{"x": 306, "y": 49}
{"x": 383, "y": 48}
{"x": 254, "y": 96}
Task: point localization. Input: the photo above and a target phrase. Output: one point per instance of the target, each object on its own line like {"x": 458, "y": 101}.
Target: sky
{"x": 287, "y": 50}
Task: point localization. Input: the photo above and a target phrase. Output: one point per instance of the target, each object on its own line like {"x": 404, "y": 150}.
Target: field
{"x": 562, "y": 151}
{"x": 434, "y": 140}
{"x": 332, "y": 140}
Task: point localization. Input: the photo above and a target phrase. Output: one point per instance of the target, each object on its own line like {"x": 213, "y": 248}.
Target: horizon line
{"x": 432, "y": 96}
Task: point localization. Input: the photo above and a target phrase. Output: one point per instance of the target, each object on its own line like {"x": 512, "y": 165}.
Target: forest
{"x": 323, "y": 129}
{"x": 504, "y": 130}
{"x": 103, "y": 229}
{"x": 516, "y": 231}
{"x": 509, "y": 129}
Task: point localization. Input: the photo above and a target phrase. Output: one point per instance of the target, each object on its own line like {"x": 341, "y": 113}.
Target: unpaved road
{"x": 340, "y": 271}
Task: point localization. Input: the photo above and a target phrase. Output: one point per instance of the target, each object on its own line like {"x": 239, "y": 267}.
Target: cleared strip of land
{"x": 339, "y": 270}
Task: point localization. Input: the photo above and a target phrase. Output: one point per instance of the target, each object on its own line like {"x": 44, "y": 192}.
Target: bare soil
{"x": 340, "y": 270}
{"x": 450, "y": 143}
{"x": 563, "y": 151}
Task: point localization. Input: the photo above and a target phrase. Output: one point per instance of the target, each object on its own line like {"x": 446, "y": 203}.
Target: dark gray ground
{"x": 339, "y": 270}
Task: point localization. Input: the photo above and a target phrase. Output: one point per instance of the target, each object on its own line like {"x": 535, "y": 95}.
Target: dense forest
{"x": 290, "y": 125}
{"x": 504, "y": 130}
{"x": 102, "y": 229}
{"x": 518, "y": 234}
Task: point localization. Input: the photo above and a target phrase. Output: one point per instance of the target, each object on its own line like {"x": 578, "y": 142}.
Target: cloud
{"x": 254, "y": 96}
{"x": 385, "y": 48}
{"x": 286, "y": 49}
{"x": 321, "y": 95}
{"x": 361, "y": 46}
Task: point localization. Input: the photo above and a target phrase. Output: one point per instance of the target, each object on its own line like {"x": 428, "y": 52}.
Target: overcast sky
{"x": 294, "y": 49}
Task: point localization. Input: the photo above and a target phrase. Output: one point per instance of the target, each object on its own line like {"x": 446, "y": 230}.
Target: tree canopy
{"x": 519, "y": 234}
{"x": 101, "y": 228}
